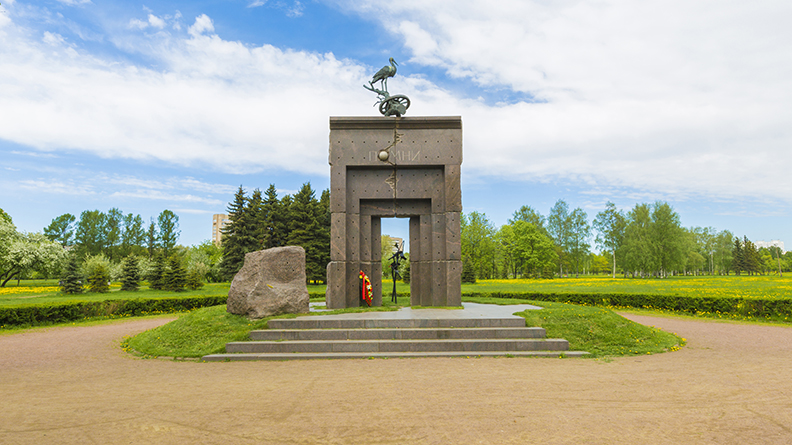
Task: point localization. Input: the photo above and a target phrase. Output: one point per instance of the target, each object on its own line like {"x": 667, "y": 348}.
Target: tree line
{"x": 262, "y": 221}
{"x": 95, "y": 245}
{"x": 115, "y": 234}
{"x": 648, "y": 240}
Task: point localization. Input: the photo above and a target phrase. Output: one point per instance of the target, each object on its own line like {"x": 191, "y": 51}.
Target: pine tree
{"x": 151, "y": 239}
{"x": 405, "y": 274}
{"x": 194, "y": 281}
{"x": 237, "y": 237}
{"x": 282, "y": 221}
{"x": 168, "y": 225}
{"x": 257, "y": 219}
{"x": 157, "y": 277}
{"x": 176, "y": 276}
{"x": 130, "y": 281}
{"x": 304, "y": 228}
{"x": 751, "y": 257}
{"x": 274, "y": 221}
{"x": 323, "y": 235}
{"x": 468, "y": 271}
{"x": 738, "y": 259}
{"x": 99, "y": 280}
{"x": 72, "y": 280}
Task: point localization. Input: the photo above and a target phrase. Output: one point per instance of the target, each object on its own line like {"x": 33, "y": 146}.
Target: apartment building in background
{"x": 219, "y": 221}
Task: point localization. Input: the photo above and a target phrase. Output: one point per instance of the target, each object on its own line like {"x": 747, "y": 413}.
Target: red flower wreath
{"x": 366, "y": 292}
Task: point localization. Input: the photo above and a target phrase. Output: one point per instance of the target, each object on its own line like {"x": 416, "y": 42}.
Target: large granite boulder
{"x": 271, "y": 282}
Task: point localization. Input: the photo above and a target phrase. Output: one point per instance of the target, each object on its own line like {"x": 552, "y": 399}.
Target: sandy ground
{"x": 731, "y": 384}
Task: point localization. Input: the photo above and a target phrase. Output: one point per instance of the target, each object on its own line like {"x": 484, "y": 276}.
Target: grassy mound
{"x": 206, "y": 331}
{"x": 201, "y": 332}
{"x": 596, "y": 330}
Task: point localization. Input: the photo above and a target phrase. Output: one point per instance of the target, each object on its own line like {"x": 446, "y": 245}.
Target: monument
{"x": 395, "y": 167}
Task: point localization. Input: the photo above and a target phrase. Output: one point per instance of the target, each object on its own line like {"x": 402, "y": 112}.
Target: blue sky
{"x": 174, "y": 104}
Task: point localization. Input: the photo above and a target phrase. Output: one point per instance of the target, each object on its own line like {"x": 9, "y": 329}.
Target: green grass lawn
{"x": 759, "y": 286}
{"x": 754, "y": 287}
{"x": 599, "y": 331}
{"x": 47, "y": 291}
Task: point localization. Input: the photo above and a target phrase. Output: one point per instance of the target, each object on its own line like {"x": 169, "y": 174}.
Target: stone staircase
{"x": 319, "y": 337}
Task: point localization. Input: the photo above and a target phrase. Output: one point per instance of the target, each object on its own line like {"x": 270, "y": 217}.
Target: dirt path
{"x": 731, "y": 384}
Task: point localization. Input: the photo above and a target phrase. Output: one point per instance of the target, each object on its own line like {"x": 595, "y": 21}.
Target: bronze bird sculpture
{"x": 383, "y": 74}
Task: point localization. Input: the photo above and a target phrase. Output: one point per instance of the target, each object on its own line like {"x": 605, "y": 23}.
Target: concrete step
{"x": 377, "y": 323}
{"x": 370, "y": 346}
{"x": 394, "y": 333}
{"x": 385, "y": 355}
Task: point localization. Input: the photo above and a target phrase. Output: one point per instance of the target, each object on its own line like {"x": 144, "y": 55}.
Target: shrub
{"x": 42, "y": 314}
{"x": 713, "y": 306}
{"x": 406, "y": 273}
{"x": 468, "y": 272}
{"x": 92, "y": 262}
{"x": 194, "y": 281}
{"x": 175, "y": 277}
{"x": 157, "y": 276}
{"x": 99, "y": 280}
{"x": 130, "y": 280}
{"x": 71, "y": 283}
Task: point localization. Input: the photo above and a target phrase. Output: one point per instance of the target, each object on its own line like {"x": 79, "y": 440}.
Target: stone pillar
{"x": 418, "y": 179}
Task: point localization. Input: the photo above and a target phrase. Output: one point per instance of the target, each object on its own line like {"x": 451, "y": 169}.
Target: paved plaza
{"x": 732, "y": 384}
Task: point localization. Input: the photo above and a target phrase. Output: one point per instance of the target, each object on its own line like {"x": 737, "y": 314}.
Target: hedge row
{"x": 59, "y": 313}
{"x": 42, "y": 314}
{"x": 744, "y": 307}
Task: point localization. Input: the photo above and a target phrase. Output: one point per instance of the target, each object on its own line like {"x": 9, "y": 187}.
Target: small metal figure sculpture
{"x": 388, "y": 105}
{"x": 395, "y": 259}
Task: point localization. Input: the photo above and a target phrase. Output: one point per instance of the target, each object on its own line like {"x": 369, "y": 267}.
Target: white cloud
{"x": 4, "y": 19}
{"x": 678, "y": 98}
{"x": 74, "y": 2}
{"x": 174, "y": 183}
{"x": 687, "y": 98}
{"x": 53, "y": 39}
{"x": 202, "y": 24}
{"x": 197, "y": 185}
{"x": 194, "y": 211}
{"x": 137, "y": 23}
{"x": 213, "y": 103}
{"x": 34, "y": 154}
{"x": 295, "y": 10}
{"x": 155, "y": 21}
{"x": 162, "y": 196}
{"x": 58, "y": 187}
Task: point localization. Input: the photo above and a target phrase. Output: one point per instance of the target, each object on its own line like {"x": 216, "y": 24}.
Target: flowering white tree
{"x": 22, "y": 252}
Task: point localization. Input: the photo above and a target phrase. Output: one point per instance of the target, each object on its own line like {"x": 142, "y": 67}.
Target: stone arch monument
{"x": 406, "y": 167}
